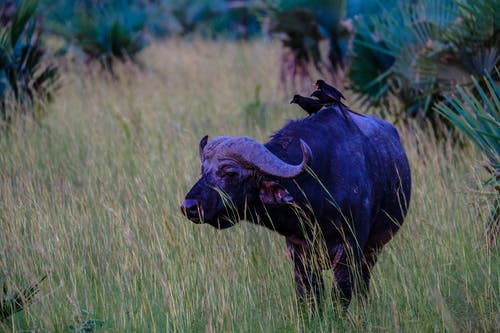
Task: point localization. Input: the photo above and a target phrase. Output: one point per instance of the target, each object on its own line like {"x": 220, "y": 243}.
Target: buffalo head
{"x": 236, "y": 173}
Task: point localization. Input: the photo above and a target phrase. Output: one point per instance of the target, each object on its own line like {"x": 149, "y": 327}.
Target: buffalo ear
{"x": 272, "y": 193}
{"x": 203, "y": 143}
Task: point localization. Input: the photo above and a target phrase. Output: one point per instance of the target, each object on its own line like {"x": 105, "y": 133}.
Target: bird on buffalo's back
{"x": 324, "y": 98}
{"x": 329, "y": 95}
{"x": 309, "y": 105}
{"x": 328, "y": 90}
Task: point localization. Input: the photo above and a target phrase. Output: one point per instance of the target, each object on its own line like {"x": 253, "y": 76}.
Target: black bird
{"x": 329, "y": 90}
{"x": 329, "y": 95}
{"x": 309, "y": 105}
{"x": 324, "y": 98}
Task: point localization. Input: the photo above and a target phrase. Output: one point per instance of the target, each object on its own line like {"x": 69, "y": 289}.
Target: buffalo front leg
{"x": 307, "y": 273}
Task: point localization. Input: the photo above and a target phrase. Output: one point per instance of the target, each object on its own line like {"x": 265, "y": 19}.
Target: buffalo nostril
{"x": 190, "y": 207}
{"x": 191, "y": 204}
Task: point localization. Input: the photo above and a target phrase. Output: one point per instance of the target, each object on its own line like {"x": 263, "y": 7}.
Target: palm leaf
{"x": 23, "y": 15}
{"x": 24, "y": 75}
{"x": 479, "y": 20}
{"x": 408, "y": 32}
{"x": 477, "y": 115}
{"x": 106, "y": 31}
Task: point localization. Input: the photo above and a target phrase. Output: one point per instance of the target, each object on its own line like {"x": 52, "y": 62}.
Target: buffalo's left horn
{"x": 252, "y": 153}
{"x": 203, "y": 143}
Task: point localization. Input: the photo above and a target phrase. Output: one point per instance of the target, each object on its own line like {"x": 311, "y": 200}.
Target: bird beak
{"x": 291, "y": 102}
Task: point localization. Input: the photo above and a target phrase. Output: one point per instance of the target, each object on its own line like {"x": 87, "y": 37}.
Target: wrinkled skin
{"x": 354, "y": 197}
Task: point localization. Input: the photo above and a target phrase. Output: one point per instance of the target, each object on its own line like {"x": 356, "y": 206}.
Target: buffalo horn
{"x": 251, "y": 153}
{"x": 203, "y": 143}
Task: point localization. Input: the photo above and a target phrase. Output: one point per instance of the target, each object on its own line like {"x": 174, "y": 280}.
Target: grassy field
{"x": 91, "y": 198}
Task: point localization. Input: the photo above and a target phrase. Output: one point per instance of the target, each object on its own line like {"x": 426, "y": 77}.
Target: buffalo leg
{"x": 347, "y": 271}
{"x": 371, "y": 252}
{"x": 307, "y": 273}
{"x": 344, "y": 284}
{"x": 370, "y": 258}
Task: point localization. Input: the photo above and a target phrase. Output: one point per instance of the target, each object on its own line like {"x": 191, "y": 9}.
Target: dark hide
{"x": 347, "y": 206}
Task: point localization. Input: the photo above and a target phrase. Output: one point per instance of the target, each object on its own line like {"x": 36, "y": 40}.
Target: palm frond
{"x": 433, "y": 46}
{"x": 23, "y": 15}
{"x": 25, "y": 78}
{"x": 371, "y": 66}
{"x": 106, "y": 32}
{"x": 477, "y": 114}
{"x": 478, "y": 22}
{"x": 405, "y": 33}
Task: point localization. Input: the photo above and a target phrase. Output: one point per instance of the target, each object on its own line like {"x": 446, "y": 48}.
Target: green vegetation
{"x": 305, "y": 24}
{"x": 105, "y": 32}
{"x": 479, "y": 119}
{"x": 417, "y": 51}
{"x": 26, "y": 79}
{"x": 91, "y": 197}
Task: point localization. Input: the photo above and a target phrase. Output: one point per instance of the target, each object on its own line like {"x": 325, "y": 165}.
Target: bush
{"x": 26, "y": 81}
{"x": 119, "y": 29}
{"x": 104, "y": 31}
{"x": 302, "y": 26}
{"x": 418, "y": 51}
{"x": 477, "y": 115}
{"x": 212, "y": 19}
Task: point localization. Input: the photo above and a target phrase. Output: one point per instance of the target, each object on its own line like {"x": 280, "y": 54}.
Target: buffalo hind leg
{"x": 370, "y": 258}
{"x": 307, "y": 273}
{"x": 371, "y": 252}
{"x": 343, "y": 285}
{"x": 346, "y": 268}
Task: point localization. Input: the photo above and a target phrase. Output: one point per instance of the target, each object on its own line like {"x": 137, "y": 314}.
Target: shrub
{"x": 26, "y": 81}
{"x": 476, "y": 113}
{"x": 418, "y": 51}
{"x": 104, "y": 31}
{"x": 303, "y": 25}
{"x": 215, "y": 18}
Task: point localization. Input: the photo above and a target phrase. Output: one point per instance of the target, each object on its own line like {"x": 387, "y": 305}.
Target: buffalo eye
{"x": 227, "y": 172}
{"x": 230, "y": 174}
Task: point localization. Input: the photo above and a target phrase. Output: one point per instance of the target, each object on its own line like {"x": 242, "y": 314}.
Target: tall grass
{"x": 91, "y": 198}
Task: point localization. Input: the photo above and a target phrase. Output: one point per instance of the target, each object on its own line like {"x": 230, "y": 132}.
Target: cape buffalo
{"x": 338, "y": 189}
